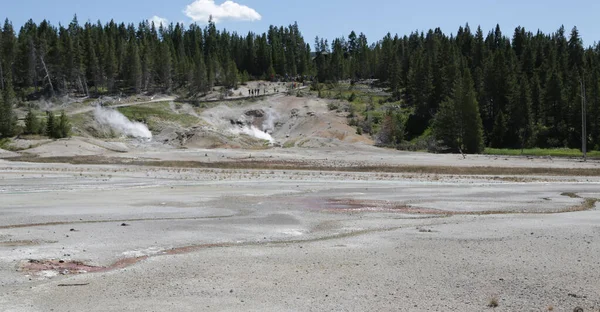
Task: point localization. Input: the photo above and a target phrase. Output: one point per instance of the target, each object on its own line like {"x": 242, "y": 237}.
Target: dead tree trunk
{"x": 48, "y": 77}
{"x": 83, "y": 86}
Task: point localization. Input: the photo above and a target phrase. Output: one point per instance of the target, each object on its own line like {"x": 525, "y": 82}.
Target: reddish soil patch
{"x": 70, "y": 267}
{"x": 59, "y": 266}
{"x": 123, "y": 263}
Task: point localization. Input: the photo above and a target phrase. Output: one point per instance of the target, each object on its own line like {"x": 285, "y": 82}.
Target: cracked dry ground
{"x": 115, "y": 238}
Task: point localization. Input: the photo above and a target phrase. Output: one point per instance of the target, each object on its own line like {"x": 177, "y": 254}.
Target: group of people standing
{"x": 255, "y": 92}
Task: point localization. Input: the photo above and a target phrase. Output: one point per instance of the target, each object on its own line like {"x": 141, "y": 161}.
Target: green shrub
{"x": 352, "y": 97}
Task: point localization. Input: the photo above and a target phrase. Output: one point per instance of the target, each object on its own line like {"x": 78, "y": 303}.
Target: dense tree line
{"x": 527, "y": 89}
{"x": 509, "y": 92}
{"x": 115, "y": 57}
{"x": 45, "y": 60}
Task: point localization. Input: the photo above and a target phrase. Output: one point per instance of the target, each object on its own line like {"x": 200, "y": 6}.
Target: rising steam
{"x": 257, "y": 133}
{"x": 268, "y": 127}
{"x": 120, "y": 123}
{"x": 271, "y": 117}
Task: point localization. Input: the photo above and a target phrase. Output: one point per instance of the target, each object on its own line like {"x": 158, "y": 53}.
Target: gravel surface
{"x": 120, "y": 238}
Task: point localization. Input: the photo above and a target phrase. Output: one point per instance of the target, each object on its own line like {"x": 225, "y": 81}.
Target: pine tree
{"x": 32, "y": 123}
{"x": 50, "y": 125}
{"x": 554, "y": 104}
{"x": 110, "y": 64}
{"x": 7, "y": 54}
{"x": 93, "y": 73}
{"x": 147, "y": 63}
{"x": 396, "y": 78}
{"x": 26, "y": 63}
{"x": 231, "y": 79}
{"x": 472, "y": 127}
{"x": 364, "y": 57}
{"x": 457, "y": 124}
{"x": 500, "y": 130}
{"x": 165, "y": 67}
{"x": 419, "y": 94}
{"x": 392, "y": 129}
{"x": 8, "y": 119}
{"x": 518, "y": 115}
{"x": 525, "y": 123}
{"x": 76, "y": 56}
{"x": 201, "y": 83}
{"x": 42, "y": 127}
{"x": 575, "y": 50}
{"x": 134, "y": 67}
{"x": 445, "y": 125}
{"x": 536, "y": 100}
{"x": 4, "y": 117}
{"x": 270, "y": 72}
{"x": 64, "y": 126}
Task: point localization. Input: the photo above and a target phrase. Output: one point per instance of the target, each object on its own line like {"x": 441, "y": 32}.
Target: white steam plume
{"x": 227, "y": 119}
{"x": 257, "y": 133}
{"x": 269, "y": 122}
{"x": 119, "y": 122}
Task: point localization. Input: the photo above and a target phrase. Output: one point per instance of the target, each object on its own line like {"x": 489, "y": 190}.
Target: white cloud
{"x": 157, "y": 20}
{"x": 201, "y": 10}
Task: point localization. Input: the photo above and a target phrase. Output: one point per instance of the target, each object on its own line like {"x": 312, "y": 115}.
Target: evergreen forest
{"x": 470, "y": 89}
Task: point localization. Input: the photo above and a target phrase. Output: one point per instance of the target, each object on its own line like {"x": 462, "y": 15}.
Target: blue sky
{"x": 328, "y": 18}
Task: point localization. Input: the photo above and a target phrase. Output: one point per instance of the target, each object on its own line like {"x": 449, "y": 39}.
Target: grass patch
{"x": 80, "y": 120}
{"x": 289, "y": 144}
{"x": 570, "y": 194}
{"x": 33, "y": 137}
{"x": 426, "y": 142}
{"x": 588, "y": 204}
{"x": 360, "y": 95}
{"x": 540, "y": 152}
{"x": 89, "y": 101}
{"x": 155, "y": 114}
{"x": 5, "y": 144}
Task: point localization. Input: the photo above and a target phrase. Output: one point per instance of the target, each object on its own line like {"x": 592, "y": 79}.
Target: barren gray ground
{"x": 150, "y": 239}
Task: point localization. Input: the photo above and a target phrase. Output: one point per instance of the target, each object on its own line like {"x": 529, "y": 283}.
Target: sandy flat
{"x": 5, "y": 153}
{"x": 156, "y": 239}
